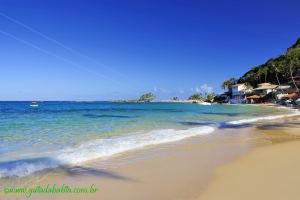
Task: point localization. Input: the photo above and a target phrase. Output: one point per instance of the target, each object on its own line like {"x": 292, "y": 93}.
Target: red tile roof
{"x": 292, "y": 95}
{"x": 254, "y": 97}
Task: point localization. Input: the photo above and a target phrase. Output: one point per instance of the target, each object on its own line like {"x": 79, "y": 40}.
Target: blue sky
{"x": 101, "y": 50}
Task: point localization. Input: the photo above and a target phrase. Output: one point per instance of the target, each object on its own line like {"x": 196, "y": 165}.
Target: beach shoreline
{"x": 149, "y": 100}
{"x": 180, "y": 170}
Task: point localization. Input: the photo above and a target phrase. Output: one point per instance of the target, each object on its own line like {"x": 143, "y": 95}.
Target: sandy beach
{"x": 178, "y": 170}
{"x": 149, "y": 100}
{"x": 267, "y": 172}
{"x": 258, "y": 161}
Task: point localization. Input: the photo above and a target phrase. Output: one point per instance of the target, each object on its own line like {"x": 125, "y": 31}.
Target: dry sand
{"x": 267, "y": 173}
{"x": 209, "y": 167}
{"x": 270, "y": 172}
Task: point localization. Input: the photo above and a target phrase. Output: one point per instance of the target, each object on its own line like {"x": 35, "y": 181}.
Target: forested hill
{"x": 276, "y": 70}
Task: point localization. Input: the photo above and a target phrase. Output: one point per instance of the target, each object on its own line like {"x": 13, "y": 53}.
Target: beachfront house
{"x": 265, "y": 88}
{"x": 253, "y": 99}
{"x": 261, "y": 93}
{"x": 282, "y": 91}
{"x": 238, "y": 93}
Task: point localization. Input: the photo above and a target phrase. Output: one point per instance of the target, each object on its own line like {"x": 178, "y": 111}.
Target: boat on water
{"x": 34, "y": 104}
{"x": 204, "y": 103}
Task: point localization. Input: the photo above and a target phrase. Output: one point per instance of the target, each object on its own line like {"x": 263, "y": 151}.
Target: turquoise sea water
{"x": 67, "y": 133}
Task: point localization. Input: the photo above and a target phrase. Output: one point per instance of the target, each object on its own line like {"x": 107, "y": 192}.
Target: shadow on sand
{"x": 270, "y": 126}
{"x": 36, "y": 167}
{"x": 75, "y": 171}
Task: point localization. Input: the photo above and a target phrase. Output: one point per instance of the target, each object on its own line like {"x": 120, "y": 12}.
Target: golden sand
{"x": 209, "y": 167}
{"x": 267, "y": 173}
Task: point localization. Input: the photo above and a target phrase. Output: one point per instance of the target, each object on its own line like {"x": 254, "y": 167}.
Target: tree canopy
{"x": 196, "y": 96}
{"x": 175, "y": 98}
{"x": 226, "y": 84}
{"x": 277, "y": 70}
{"x": 147, "y": 97}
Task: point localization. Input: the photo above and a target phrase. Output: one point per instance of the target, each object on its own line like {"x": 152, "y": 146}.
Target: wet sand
{"x": 260, "y": 159}
{"x": 179, "y": 170}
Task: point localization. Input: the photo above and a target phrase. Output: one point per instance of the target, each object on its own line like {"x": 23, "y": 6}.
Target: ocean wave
{"x": 100, "y": 148}
{"x": 251, "y": 120}
{"x": 24, "y": 167}
{"x": 103, "y": 148}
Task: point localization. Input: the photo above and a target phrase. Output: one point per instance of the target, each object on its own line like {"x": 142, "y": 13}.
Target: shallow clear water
{"x": 58, "y": 133}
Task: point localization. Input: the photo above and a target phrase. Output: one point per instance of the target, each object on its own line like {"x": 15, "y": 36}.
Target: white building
{"x": 265, "y": 88}
{"x": 238, "y": 93}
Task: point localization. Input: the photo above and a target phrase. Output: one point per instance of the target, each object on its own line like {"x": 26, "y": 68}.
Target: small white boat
{"x": 204, "y": 103}
{"x": 34, "y": 104}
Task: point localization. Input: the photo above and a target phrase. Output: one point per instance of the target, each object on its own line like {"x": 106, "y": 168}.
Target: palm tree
{"x": 292, "y": 65}
{"x": 259, "y": 73}
{"x": 197, "y": 96}
{"x": 226, "y": 84}
{"x": 277, "y": 70}
{"x": 175, "y": 98}
{"x": 265, "y": 70}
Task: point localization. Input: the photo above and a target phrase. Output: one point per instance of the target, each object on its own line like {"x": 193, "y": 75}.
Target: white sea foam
{"x": 251, "y": 120}
{"x": 25, "y": 167}
{"x": 101, "y": 148}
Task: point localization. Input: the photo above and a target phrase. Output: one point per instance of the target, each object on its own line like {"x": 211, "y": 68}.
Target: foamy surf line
{"x": 244, "y": 121}
{"x": 101, "y": 148}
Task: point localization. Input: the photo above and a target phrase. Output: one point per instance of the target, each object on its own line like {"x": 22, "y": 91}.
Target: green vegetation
{"x": 226, "y": 85}
{"x": 197, "y": 97}
{"x": 210, "y": 97}
{"x": 148, "y": 97}
{"x": 200, "y": 97}
{"x": 281, "y": 69}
